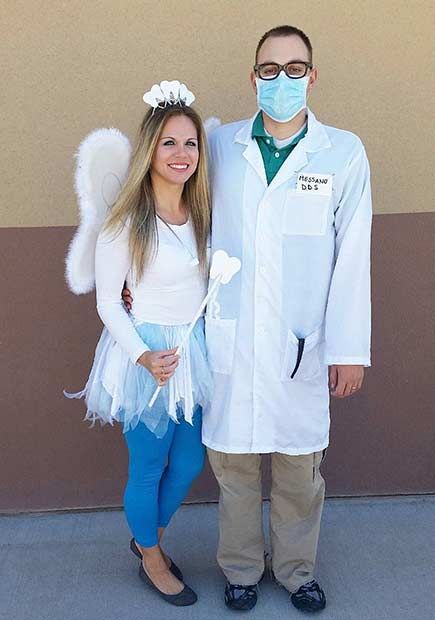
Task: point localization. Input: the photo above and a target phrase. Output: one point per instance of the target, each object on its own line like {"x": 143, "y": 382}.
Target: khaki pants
{"x": 296, "y": 504}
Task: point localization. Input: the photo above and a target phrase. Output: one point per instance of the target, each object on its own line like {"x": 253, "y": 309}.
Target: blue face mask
{"x": 282, "y": 98}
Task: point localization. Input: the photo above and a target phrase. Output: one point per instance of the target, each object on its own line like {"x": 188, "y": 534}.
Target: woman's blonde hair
{"x": 136, "y": 202}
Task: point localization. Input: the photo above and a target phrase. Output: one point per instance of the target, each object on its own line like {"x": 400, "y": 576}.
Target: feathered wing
{"x": 211, "y": 123}
{"x": 102, "y": 165}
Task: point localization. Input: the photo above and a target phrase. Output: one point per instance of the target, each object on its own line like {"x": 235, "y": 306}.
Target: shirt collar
{"x": 316, "y": 137}
{"x": 258, "y": 130}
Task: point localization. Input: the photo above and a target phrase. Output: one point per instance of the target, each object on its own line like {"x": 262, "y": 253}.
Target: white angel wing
{"x": 102, "y": 164}
{"x": 211, "y": 123}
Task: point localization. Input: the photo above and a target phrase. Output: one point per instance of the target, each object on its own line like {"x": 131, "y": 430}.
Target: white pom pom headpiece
{"x": 168, "y": 93}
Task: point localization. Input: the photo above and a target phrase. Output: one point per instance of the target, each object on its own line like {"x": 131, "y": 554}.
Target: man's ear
{"x": 253, "y": 83}
{"x": 312, "y": 80}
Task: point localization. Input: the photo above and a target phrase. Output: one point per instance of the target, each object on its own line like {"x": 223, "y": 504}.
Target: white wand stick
{"x": 223, "y": 268}
{"x": 189, "y": 331}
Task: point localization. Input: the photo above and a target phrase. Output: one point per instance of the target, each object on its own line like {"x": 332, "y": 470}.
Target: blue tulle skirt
{"x": 119, "y": 391}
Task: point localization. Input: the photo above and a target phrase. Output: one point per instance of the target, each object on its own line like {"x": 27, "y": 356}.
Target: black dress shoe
{"x": 309, "y": 598}
{"x": 240, "y": 598}
{"x": 186, "y": 597}
{"x": 173, "y": 567}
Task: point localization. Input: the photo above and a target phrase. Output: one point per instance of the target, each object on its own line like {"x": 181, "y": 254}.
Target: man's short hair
{"x": 285, "y": 31}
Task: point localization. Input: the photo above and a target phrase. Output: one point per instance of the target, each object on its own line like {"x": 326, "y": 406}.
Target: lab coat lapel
{"x": 252, "y": 152}
{"x": 253, "y": 156}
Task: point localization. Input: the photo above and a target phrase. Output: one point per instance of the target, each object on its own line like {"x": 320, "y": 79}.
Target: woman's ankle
{"x": 152, "y": 558}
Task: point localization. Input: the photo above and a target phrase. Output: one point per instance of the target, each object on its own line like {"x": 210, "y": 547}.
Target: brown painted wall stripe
{"x": 383, "y": 440}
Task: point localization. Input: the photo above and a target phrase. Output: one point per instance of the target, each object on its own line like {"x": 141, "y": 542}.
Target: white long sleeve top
{"x": 169, "y": 292}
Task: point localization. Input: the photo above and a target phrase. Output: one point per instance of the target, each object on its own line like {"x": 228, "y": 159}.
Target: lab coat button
{"x": 277, "y": 154}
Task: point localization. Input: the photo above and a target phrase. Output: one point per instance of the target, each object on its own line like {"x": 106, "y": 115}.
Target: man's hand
{"x": 345, "y": 380}
{"x": 127, "y": 298}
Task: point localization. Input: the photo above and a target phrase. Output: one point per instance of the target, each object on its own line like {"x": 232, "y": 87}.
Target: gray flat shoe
{"x": 186, "y": 597}
{"x": 173, "y": 567}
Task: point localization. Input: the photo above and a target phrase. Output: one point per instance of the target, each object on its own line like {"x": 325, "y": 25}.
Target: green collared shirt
{"x": 273, "y": 157}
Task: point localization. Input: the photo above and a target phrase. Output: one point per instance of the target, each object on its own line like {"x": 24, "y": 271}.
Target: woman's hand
{"x": 161, "y": 364}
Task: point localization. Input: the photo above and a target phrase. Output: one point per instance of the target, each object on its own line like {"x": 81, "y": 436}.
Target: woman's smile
{"x": 179, "y": 167}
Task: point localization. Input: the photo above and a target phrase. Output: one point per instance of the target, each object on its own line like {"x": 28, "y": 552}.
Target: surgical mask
{"x": 282, "y": 98}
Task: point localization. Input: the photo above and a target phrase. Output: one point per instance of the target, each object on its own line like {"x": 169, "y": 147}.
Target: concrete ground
{"x": 376, "y": 562}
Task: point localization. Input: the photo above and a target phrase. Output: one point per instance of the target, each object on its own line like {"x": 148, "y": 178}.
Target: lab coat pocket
{"x": 220, "y": 337}
{"x": 305, "y": 213}
{"x": 303, "y": 357}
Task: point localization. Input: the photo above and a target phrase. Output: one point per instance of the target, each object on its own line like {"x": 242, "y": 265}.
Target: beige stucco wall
{"x": 69, "y": 67}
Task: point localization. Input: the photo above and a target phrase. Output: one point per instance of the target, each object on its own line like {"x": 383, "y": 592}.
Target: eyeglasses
{"x": 293, "y": 70}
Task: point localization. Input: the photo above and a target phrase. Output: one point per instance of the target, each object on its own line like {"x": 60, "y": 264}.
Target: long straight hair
{"x": 136, "y": 203}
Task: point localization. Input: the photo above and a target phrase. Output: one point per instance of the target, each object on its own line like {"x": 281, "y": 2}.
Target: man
{"x": 291, "y": 199}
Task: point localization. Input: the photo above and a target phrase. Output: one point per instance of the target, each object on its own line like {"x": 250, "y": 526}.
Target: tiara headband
{"x": 168, "y": 93}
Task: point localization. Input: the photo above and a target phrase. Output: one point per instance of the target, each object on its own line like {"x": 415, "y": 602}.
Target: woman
{"x": 155, "y": 239}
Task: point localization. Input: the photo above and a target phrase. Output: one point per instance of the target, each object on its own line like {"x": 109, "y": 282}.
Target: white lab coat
{"x": 305, "y": 276}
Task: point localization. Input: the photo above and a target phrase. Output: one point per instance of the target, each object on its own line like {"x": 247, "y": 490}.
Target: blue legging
{"x": 160, "y": 473}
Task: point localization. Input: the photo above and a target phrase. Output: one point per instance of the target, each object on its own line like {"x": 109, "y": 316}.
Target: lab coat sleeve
{"x": 112, "y": 263}
{"x": 348, "y": 314}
